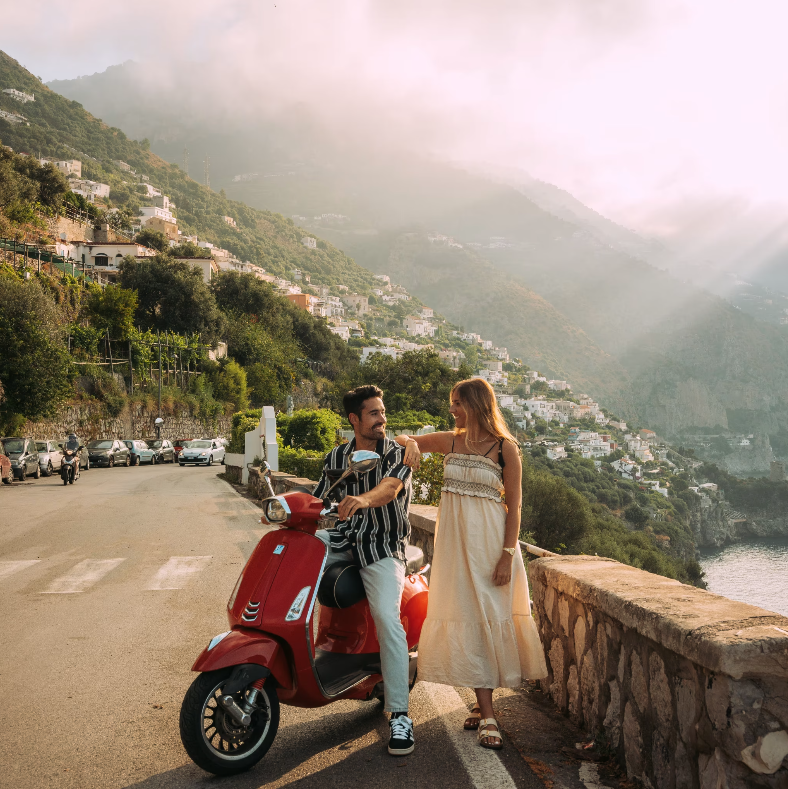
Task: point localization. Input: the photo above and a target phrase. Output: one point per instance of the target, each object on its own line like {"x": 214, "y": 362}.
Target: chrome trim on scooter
{"x": 216, "y": 639}
{"x": 250, "y": 612}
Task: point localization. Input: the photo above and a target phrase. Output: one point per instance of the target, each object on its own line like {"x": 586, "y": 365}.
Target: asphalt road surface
{"x": 110, "y": 588}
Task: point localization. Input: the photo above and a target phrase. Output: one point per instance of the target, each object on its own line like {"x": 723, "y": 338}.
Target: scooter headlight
{"x": 276, "y": 511}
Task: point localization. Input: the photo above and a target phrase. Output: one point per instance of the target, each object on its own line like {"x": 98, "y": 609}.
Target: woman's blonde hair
{"x": 478, "y": 400}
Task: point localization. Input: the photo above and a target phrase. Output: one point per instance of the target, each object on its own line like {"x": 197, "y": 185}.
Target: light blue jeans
{"x": 383, "y": 583}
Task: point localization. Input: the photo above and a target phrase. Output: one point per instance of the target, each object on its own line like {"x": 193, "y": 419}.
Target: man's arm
{"x": 379, "y": 496}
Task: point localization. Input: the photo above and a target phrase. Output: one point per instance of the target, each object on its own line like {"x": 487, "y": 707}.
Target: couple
{"x": 479, "y": 632}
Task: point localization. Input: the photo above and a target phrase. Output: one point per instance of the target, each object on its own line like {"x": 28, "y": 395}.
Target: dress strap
{"x": 452, "y": 441}
{"x": 487, "y": 453}
{"x": 501, "y": 461}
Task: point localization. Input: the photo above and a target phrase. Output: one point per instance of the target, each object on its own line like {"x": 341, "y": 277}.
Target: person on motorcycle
{"x": 72, "y": 442}
{"x": 373, "y": 530}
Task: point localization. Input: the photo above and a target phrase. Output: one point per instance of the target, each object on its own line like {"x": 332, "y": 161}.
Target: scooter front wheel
{"x": 213, "y": 739}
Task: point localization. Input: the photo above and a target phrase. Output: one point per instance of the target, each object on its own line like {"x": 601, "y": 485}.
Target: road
{"x": 110, "y": 588}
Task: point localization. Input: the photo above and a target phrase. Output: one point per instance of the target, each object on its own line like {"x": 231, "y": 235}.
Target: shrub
{"x": 314, "y": 430}
{"x": 301, "y": 462}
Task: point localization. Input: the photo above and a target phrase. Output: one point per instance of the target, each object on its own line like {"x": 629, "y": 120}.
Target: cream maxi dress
{"x": 476, "y": 634}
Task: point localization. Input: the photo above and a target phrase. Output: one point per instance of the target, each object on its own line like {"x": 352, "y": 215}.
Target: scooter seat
{"x": 414, "y": 559}
{"x": 341, "y": 586}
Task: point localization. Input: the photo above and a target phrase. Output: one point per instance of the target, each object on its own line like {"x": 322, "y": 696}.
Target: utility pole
{"x": 207, "y": 170}
{"x": 186, "y": 161}
{"x": 159, "y": 338}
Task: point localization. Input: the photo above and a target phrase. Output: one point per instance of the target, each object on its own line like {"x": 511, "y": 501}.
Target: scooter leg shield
{"x": 241, "y": 647}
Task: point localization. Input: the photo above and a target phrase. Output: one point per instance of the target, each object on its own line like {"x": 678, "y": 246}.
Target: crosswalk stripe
{"x": 83, "y": 576}
{"x": 9, "y": 568}
{"x": 176, "y": 572}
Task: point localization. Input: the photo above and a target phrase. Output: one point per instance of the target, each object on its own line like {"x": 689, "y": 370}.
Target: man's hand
{"x": 502, "y": 574}
{"x": 350, "y": 505}
{"x": 412, "y": 456}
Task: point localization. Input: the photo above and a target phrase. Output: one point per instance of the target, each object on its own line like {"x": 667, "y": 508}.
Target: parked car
{"x": 179, "y": 444}
{"x": 140, "y": 451}
{"x": 6, "y": 472}
{"x": 24, "y": 457}
{"x": 50, "y": 457}
{"x": 203, "y": 450}
{"x": 109, "y": 452}
{"x": 165, "y": 452}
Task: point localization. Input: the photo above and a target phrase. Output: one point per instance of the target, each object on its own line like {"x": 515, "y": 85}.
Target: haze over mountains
{"x": 574, "y": 294}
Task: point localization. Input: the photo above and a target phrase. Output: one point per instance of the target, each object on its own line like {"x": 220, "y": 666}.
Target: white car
{"x": 50, "y": 457}
{"x": 203, "y": 451}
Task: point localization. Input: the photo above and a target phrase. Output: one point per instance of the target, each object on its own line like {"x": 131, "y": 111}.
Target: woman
{"x": 479, "y": 632}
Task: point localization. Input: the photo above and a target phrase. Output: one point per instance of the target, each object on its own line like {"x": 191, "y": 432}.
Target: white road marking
{"x": 83, "y": 576}
{"x": 483, "y": 766}
{"x": 177, "y": 571}
{"x": 9, "y": 568}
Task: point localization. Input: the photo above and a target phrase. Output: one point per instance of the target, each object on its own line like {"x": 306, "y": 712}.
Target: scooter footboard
{"x": 242, "y": 646}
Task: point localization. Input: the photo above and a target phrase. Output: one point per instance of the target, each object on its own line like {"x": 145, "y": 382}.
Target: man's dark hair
{"x": 353, "y": 401}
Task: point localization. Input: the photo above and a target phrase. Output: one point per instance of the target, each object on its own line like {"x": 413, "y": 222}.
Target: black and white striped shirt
{"x": 374, "y": 532}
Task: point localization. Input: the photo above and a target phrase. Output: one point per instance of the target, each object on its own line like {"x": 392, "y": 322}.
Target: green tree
{"x": 153, "y": 239}
{"x": 312, "y": 429}
{"x": 171, "y": 296}
{"x": 636, "y": 516}
{"x": 112, "y": 309}
{"x": 34, "y": 360}
{"x": 229, "y": 384}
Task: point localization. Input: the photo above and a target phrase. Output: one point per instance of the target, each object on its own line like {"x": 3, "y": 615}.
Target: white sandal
{"x": 472, "y": 721}
{"x": 485, "y": 733}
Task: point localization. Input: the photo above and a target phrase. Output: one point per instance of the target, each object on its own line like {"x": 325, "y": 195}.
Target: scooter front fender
{"x": 241, "y": 646}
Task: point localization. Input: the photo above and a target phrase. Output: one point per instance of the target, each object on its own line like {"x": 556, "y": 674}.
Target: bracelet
{"x": 510, "y": 551}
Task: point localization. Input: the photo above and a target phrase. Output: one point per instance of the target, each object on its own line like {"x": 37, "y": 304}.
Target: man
{"x": 372, "y": 531}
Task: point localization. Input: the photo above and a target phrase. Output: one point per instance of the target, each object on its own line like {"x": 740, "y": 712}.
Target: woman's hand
{"x": 502, "y": 574}
{"x": 412, "y": 454}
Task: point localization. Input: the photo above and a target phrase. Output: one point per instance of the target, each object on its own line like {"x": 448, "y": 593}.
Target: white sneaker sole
{"x": 401, "y": 751}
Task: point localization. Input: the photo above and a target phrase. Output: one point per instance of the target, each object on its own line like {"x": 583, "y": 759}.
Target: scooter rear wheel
{"x": 213, "y": 739}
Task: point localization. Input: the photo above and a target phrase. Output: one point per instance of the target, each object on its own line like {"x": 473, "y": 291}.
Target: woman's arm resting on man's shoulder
{"x": 430, "y": 442}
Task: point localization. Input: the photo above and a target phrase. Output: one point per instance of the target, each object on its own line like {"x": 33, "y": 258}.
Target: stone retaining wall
{"x": 91, "y": 420}
{"x": 689, "y": 689}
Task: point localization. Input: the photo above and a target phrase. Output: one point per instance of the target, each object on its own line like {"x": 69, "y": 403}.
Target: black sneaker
{"x": 402, "y": 742}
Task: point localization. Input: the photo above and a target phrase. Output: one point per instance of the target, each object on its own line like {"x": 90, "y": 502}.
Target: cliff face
{"x": 756, "y": 458}
{"x": 715, "y": 523}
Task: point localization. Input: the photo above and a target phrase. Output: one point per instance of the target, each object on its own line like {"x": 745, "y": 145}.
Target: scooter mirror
{"x": 363, "y": 461}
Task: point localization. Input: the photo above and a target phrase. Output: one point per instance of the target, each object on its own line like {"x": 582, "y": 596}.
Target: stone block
{"x": 563, "y": 614}
{"x": 612, "y": 722}
{"x": 775, "y": 699}
{"x": 549, "y": 603}
{"x": 660, "y": 761}
{"x": 683, "y": 768}
{"x": 637, "y": 682}
{"x": 580, "y": 639}
{"x": 557, "y": 687}
{"x": 633, "y": 743}
{"x": 767, "y": 753}
{"x": 589, "y": 692}
{"x": 659, "y": 690}
{"x": 734, "y": 710}
{"x": 573, "y": 696}
{"x": 686, "y": 707}
{"x": 622, "y": 665}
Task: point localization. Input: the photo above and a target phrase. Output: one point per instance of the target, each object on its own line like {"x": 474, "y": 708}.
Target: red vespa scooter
{"x": 298, "y": 635}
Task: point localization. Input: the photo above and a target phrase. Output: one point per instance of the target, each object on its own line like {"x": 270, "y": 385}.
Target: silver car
{"x": 205, "y": 451}
{"x": 50, "y": 457}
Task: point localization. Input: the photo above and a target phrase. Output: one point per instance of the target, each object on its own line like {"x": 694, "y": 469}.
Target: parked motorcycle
{"x": 297, "y": 635}
{"x": 69, "y": 468}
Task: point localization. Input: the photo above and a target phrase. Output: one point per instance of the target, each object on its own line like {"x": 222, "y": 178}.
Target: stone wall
{"x": 91, "y": 420}
{"x": 689, "y": 689}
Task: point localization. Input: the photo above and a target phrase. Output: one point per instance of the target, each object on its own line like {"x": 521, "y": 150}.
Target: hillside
{"x": 59, "y": 127}
{"x": 693, "y": 360}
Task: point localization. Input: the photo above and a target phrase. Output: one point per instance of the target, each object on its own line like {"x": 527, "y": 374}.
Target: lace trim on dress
{"x": 466, "y": 462}
{"x": 466, "y": 488}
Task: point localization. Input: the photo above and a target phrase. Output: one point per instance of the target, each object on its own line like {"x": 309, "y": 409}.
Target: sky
{"x": 669, "y": 116}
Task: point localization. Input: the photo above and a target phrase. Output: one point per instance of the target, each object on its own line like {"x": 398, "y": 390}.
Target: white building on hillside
{"x": 418, "y": 327}
{"x": 90, "y": 190}
{"x": 19, "y": 95}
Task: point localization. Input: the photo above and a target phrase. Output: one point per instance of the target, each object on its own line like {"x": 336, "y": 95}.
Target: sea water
{"x": 754, "y": 572}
